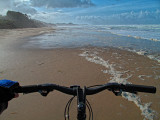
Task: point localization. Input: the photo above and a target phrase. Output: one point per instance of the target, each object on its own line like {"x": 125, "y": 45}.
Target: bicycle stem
{"x": 81, "y": 103}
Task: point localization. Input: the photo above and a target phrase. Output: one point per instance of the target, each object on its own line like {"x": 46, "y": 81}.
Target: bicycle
{"x": 81, "y": 94}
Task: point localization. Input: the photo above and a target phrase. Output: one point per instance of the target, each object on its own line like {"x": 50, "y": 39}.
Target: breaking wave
{"x": 149, "y": 32}
{"x": 92, "y": 56}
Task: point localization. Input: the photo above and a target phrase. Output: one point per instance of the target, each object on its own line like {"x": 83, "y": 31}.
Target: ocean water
{"x": 148, "y": 32}
{"x": 142, "y": 39}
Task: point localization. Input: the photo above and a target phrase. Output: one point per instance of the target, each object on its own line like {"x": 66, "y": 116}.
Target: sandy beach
{"x": 66, "y": 66}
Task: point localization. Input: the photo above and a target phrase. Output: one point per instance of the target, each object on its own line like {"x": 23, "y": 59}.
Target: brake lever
{"x": 44, "y": 93}
{"x": 119, "y": 93}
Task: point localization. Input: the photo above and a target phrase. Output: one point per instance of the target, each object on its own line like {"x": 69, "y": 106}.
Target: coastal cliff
{"x": 19, "y": 20}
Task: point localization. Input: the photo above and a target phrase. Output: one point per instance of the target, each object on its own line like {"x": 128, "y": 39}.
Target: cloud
{"x": 141, "y": 17}
{"x": 16, "y": 5}
{"x": 24, "y": 8}
{"x": 132, "y": 17}
{"x": 6, "y": 3}
{"x": 53, "y": 17}
{"x": 61, "y": 3}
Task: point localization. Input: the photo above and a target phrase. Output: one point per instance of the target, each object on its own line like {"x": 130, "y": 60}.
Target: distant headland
{"x": 14, "y": 20}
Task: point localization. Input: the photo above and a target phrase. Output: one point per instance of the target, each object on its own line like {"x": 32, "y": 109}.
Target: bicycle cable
{"x": 90, "y": 110}
{"x": 67, "y": 116}
{"x": 67, "y": 108}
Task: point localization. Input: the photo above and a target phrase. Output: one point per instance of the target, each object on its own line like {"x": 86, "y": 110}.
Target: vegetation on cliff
{"x": 18, "y": 20}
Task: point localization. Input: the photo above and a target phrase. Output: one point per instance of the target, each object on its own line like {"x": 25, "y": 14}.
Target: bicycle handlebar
{"x": 82, "y": 102}
{"x": 89, "y": 91}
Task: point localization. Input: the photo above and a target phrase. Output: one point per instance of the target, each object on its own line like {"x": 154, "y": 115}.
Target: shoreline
{"x": 25, "y": 32}
{"x": 66, "y": 67}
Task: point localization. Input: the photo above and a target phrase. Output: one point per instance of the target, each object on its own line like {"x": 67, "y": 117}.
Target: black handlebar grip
{"x": 27, "y": 89}
{"x": 138, "y": 88}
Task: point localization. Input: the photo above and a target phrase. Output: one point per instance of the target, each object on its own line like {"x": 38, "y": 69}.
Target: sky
{"x": 99, "y": 12}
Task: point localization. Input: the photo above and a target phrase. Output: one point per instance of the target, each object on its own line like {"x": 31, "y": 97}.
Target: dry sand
{"x": 66, "y": 67}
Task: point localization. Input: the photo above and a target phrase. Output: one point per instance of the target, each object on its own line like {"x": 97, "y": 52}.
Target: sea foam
{"x": 92, "y": 56}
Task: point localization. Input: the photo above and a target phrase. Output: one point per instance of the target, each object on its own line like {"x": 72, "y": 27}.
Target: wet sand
{"x": 66, "y": 67}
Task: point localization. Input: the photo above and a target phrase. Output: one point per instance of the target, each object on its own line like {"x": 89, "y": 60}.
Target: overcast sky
{"x": 88, "y": 11}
